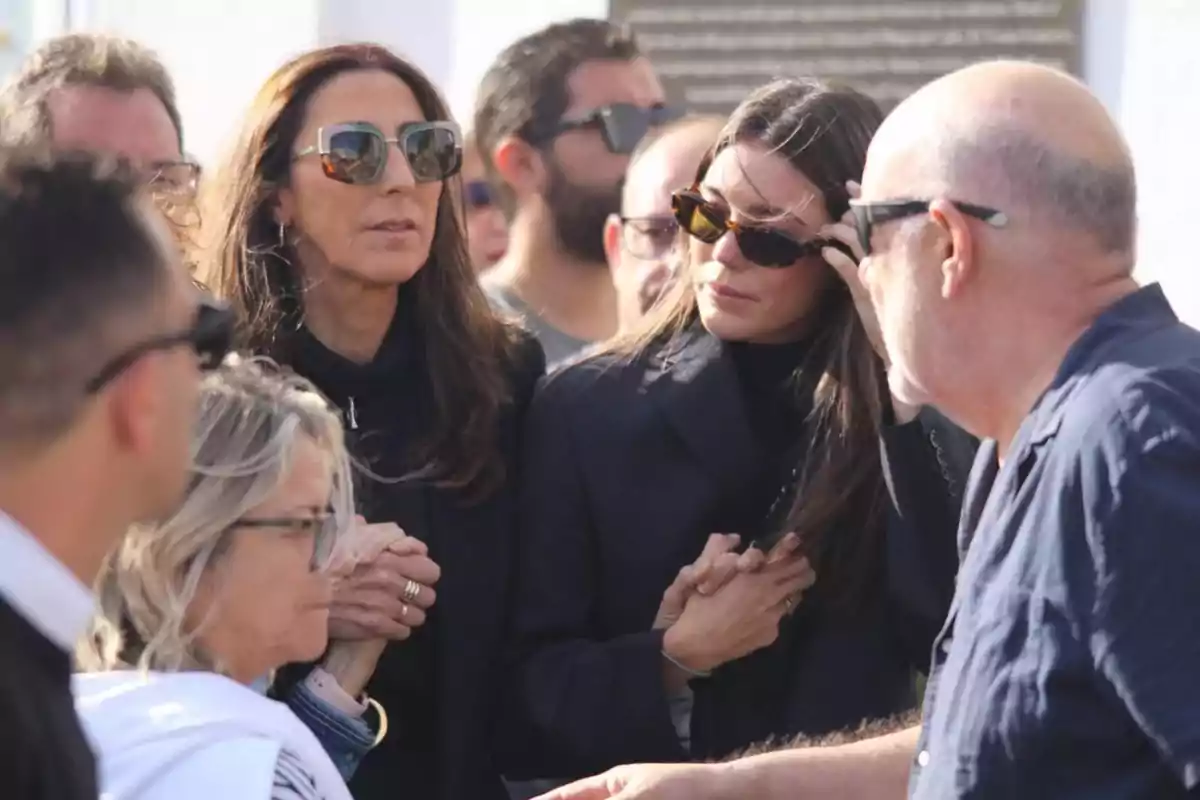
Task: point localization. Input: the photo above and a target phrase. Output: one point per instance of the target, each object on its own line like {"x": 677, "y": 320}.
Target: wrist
{"x": 352, "y": 663}
{"x": 680, "y": 653}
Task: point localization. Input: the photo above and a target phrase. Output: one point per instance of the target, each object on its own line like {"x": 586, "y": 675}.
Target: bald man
{"x": 997, "y": 221}
{"x": 640, "y": 242}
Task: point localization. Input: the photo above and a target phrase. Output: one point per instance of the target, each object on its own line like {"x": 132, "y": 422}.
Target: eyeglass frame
{"x": 325, "y": 135}
{"x": 326, "y": 524}
{"x": 670, "y": 226}
{"x": 213, "y": 319}
{"x": 868, "y": 214}
{"x": 602, "y": 118}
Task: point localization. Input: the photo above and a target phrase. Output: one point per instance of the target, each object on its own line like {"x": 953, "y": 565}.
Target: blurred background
{"x": 1142, "y": 57}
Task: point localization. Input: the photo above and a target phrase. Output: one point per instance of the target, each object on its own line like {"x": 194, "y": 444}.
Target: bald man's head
{"x": 1027, "y": 139}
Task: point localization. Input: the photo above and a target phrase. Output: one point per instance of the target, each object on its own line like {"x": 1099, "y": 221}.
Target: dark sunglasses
{"x": 323, "y": 527}
{"x": 761, "y": 245}
{"x": 868, "y": 215}
{"x": 621, "y": 124}
{"x": 210, "y": 336}
{"x": 357, "y": 152}
{"x": 478, "y": 194}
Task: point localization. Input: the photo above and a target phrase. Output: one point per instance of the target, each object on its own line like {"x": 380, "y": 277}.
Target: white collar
{"x": 40, "y": 588}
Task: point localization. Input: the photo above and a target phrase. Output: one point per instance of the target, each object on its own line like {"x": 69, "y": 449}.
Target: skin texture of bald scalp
{"x": 972, "y": 312}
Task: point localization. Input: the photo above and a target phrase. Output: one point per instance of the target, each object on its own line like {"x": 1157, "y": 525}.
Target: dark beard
{"x": 579, "y": 213}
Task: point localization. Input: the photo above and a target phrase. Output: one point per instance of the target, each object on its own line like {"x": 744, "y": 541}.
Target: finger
{"x": 719, "y": 573}
{"x": 784, "y": 548}
{"x": 346, "y": 621}
{"x": 793, "y": 569}
{"x": 418, "y": 568}
{"x": 854, "y": 189}
{"x": 412, "y": 616}
{"x": 407, "y": 546}
{"x": 752, "y": 560}
{"x": 598, "y": 788}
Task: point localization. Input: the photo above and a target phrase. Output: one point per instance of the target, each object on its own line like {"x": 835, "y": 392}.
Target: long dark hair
{"x": 823, "y": 132}
{"x": 467, "y": 348}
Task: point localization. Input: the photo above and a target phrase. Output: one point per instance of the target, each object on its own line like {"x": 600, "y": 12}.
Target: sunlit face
{"x": 379, "y": 234}
{"x": 902, "y": 275}
{"x": 133, "y": 125}
{"x": 646, "y": 254}
{"x": 739, "y": 300}
{"x": 261, "y": 602}
{"x": 487, "y": 230}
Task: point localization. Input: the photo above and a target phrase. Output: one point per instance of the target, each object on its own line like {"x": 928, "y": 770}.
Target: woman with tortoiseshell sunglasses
{"x": 747, "y": 411}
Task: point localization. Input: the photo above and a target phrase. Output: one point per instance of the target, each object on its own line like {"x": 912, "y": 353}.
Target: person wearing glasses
{"x": 641, "y": 242}
{"x": 333, "y": 228}
{"x": 556, "y": 117}
{"x": 105, "y": 94}
{"x": 487, "y": 229}
{"x": 102, "y": 340}
{"x": 742, "y": 417}
{"x": 236, "y": 582}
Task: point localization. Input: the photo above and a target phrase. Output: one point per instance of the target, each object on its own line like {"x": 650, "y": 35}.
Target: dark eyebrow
{"x": 760, "y": 210}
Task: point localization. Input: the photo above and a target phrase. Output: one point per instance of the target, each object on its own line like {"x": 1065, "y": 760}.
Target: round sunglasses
{"x": 759, "y": 244}
{"x": 357, "y": 152}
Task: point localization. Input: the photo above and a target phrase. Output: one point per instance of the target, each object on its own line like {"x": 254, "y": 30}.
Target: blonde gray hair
{"x": 251, "y": 417}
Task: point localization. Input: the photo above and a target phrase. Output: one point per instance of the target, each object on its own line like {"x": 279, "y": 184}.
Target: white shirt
{"x": 40, "y": 588}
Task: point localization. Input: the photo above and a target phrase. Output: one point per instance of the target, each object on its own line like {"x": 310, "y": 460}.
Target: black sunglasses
{"x": 621, "y": 124}
{"x": 867, "y": 215}
{"x": 357, "y": 152}
{"x": 761, "y": 245}
{"x": 478, "y": 194}
{"x": 323, "y": 527}
{"x": 210, "y": 336}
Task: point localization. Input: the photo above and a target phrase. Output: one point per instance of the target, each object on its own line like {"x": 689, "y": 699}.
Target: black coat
{"x": 44, "y": 754}
{"x": 626, "y": 464}
{"x": 455, "y": 659}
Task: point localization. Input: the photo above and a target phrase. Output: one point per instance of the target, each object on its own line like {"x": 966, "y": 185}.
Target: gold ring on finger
{"x": 411, "y": 589}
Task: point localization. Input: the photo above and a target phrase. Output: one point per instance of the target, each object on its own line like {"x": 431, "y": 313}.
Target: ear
{"x": 520, "y": 165}
{"x": 135, "y": 405}
{"x": 957, "y": 245}
{"x": 612, "y": 241}
{"x": 284, "y": 211}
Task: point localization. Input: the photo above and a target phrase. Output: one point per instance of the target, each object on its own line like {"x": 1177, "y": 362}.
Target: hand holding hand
{"x": 385, "y": 596}
{"x": 740, "y": 618}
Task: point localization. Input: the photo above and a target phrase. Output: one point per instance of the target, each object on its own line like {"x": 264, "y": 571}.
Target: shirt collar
{"x": 40, "y": 588}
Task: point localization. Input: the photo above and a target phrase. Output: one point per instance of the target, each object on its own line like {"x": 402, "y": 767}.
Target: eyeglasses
{"x": 357, "y": 152}
{"x": 621, "y": 124}
{"x": 868, "y": 215}
{"x": 210, "y": 336}
{"x": 478, "y": 194}
{"x": 648, "y": 238}
{"x": 323, "y": 527}
{"x": 173, "y": 178}
{"x": 761, "y": 245}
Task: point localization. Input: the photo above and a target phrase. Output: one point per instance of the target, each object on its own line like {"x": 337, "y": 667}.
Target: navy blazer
{"x": 626, "y": 463}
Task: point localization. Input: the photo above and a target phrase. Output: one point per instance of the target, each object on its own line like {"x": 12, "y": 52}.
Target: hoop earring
{"x": 282, "y": 236}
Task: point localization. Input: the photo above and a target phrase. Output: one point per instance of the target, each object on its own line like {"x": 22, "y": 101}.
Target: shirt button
{"x": 923, "y": 758}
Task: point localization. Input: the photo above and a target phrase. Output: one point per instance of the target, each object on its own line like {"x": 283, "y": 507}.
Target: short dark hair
{"x": 1049, "y": 184}
{"x": 79, "y": 59}
{"x": 79, "y": 259}
{"x": 524, "y": 92}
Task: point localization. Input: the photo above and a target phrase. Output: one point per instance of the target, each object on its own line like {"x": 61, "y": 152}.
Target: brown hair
{"x": 80, "y": 59}
{"x": 524, "y": 93}
{"x": 467, "y": 348}
{"x": 823, "y": 132}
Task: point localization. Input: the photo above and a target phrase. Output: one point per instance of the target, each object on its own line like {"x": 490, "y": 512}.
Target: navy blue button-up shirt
{"x": 1069, "y": 665}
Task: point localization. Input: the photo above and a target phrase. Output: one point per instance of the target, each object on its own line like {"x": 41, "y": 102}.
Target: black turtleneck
{"x": 386, "y": 408}
{"x": 776, "y": 408}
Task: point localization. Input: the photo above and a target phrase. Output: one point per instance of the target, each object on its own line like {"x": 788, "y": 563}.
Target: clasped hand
{"x": 384, "y": 586}
{"x": 727, "y": 605}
